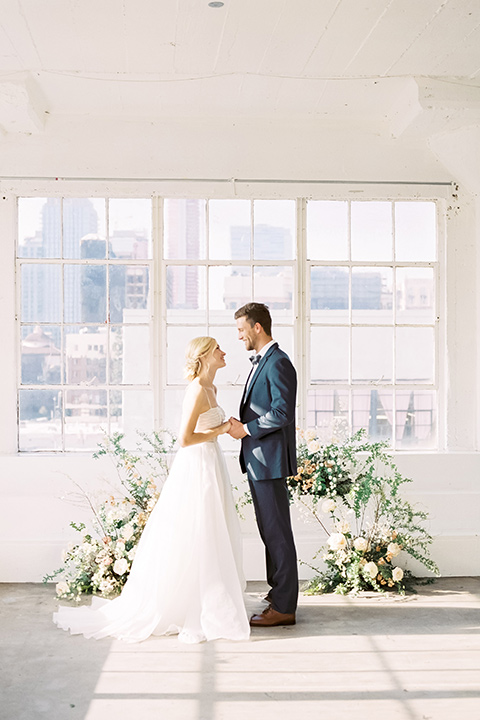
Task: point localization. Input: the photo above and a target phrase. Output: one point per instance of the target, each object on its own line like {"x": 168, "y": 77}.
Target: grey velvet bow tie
{"x": 255, "y": 359}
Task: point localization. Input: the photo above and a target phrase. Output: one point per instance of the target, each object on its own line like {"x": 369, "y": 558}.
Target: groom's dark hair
{"x": 256, "y": 312}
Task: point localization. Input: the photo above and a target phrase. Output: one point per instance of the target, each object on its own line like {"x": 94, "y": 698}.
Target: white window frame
{"x": 350, "y": 386}
{"x": 62, "y": 262}
{"x": 438, "y": 193}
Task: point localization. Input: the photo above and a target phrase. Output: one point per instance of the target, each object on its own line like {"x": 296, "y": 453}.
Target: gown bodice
{"x": 209, "y": 419}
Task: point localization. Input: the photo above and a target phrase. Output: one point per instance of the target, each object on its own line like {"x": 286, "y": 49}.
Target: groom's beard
{"x": 248, "y": 345}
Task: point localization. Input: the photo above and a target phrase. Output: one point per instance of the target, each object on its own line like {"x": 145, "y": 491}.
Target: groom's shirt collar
{"x": 265, "y": 348}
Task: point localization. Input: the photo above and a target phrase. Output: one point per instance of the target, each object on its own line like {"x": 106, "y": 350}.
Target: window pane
{"x": 372, "y": 295}
{"x": 131, "y": 412}
{"x": 416, "y": 419}
{"x": 173, "y": 399}
{"x": 415, "y": 351}
{"x": 284, "y": 337}
{"x": 230, "y": 229}
{"x": 229, "y": 288}
{"x": 86, "y": 355}
{"x": 39, "y": 228}
{"x": 373, "y": 410}
{"x": 41, "y": 354}
{"x": 41, "y": 293}
{"x": 184, "y": 229}
{"x": 84, "y": 228}
{"x": 177, "y": 341}
{"x": 85, "y": 418}
{"x": 274, "y": 229}
{"x": 371, "y": 231}
{"x": 372, "y": 354}
{"x": 238, "y": 365}
{"x": 130, "y": 228}
{"x": 40, "y": 413}
{"x": 329, "y": 294}
{"x": 130, "y": 355}
{"x": 327, "y": 230}
{"x": 329, "y": 354}
{"x": 129, "y": 293}
{"x": 415, "y": 231}
{"x": 274, "y": 287}
{"x": 85, "y": 293}
{"x": 415, "y": 295}
{"x": 186, "y": 293}
{"x": 328, "y": 413}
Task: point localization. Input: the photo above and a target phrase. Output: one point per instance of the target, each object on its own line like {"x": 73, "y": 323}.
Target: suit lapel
{"x": 261, "y": 364}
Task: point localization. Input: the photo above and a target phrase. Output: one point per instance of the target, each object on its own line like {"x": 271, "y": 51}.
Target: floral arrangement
{"x": 356, "y": 484}
{"x": 101, "y": 563}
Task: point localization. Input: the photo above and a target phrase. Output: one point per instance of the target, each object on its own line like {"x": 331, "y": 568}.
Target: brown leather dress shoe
{"x": 271, "y": 618}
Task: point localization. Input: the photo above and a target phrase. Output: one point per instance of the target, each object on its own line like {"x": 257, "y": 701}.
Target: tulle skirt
{"x": 187, "y": 575}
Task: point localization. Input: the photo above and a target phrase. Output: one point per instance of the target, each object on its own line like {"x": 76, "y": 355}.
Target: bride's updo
{"x": 196, "y": 349}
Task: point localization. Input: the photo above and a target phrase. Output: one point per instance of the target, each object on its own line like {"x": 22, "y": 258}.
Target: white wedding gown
{"x": 187, "y": 575}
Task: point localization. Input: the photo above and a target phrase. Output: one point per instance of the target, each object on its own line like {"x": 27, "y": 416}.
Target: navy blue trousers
{"x": 272, "y": 510}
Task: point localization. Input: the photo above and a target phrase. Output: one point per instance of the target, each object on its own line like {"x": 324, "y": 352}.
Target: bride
{"x": 187, "y": 574}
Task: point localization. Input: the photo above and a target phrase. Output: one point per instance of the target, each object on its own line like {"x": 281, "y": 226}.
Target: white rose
{"x": 313, "y": 446}
{"x": 62, "y": 588}
{"x": 106, "y": 586}
{"x": 120, "y": 547}
{"x": 393, "y": 549}
{"x": 343, "y": 527}
{"x": 131, "y": 553}
{"x": 371, "y": 570}
{"x": 120, "y": 566}
{"x": 127, "y": 532}
{"x": 360, "y": 544}
{"x": 397, "y": 574}
{"x": 328, "y": 506}
{"x": 310, "y": 435}
{"x": 337, "y": 541}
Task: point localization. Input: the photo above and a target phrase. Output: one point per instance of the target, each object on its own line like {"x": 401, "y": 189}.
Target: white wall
{"x": 34, "y": 520}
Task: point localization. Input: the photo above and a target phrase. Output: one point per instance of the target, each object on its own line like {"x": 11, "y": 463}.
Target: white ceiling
{"x": 333, "y": 60}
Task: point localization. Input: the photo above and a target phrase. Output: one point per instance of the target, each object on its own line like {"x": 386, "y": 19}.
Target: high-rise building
{"x": 182, "y": 232}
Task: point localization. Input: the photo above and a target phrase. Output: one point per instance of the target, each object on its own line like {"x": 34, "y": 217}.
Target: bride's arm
{"x": 193, "y": 406}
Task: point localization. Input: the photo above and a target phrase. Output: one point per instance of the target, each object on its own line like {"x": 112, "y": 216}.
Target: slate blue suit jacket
{"x": 268, "y": 409}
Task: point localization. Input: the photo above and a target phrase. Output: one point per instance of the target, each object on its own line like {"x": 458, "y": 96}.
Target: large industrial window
{"x": 371, "y": 270}
{"x": 84, "y": 271}
{"x": 108, "y": 301}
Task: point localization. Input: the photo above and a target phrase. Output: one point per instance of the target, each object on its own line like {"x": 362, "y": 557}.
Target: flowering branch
{"x": 359, "y": 477}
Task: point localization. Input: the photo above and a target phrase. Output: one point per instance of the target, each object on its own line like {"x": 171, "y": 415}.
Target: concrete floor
{"x": 368, "y": 658}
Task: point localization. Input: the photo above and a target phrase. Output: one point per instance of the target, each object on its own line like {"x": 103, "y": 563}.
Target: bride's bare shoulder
{"x": 194, "y": 395}
{"x": 193, "y": 390}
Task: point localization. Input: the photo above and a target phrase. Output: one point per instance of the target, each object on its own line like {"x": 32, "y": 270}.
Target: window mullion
{"x": 302, "y": 314}
{"x": 158, "y": 320}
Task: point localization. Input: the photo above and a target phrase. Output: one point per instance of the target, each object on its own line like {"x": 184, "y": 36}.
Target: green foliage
{"x": 369, "y": 523}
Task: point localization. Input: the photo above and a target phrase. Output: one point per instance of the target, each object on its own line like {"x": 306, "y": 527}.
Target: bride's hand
{"x": 225, "y": 427}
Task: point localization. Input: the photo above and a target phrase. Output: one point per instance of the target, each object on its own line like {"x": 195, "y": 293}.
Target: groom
{"x": 268, "y": 456}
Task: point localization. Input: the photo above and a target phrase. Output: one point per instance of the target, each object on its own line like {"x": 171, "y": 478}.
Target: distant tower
{"x": 182, "y": 228}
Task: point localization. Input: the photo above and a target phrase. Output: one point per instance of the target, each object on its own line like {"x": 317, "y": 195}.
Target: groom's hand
{"x": 237, "y": 430}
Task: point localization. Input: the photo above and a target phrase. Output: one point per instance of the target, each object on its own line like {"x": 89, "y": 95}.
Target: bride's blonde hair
{"x": 197, "y": 348}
